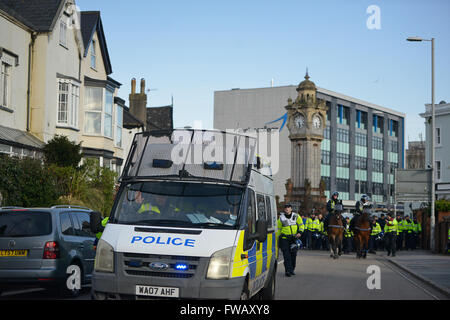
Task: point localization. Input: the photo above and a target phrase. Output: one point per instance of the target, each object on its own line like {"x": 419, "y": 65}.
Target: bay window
{"x": 109, "y": 100}
{"x": 68, "y": 103}
{"x": 98, "y": 115}
{"x": 93, "y": 110}
{"x": 119, "y": 126}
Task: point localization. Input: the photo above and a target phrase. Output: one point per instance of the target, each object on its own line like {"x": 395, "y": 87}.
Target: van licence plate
{"x": 13, "y": 253}
{"x": 157, "y": 291}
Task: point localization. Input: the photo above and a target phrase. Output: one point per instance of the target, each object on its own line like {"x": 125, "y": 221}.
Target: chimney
{"x": 138, "y": 102}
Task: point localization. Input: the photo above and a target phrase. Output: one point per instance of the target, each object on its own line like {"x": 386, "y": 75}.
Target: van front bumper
{"x": 122, "y": 285}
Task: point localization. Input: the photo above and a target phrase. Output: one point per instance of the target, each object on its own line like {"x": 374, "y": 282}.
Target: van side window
{"x": 261, "y": 207}
{"x": 251, "y": 220}
{"x": 251, "y": 212}
{"x": 66, "y": 224}
{"x": 268, "y": 213}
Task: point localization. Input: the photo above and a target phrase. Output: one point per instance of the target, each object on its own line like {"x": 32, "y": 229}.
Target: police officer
{"x": 290, "y": 229}
{"x": 400, "y": 233}
{"x": 376, "y": 230}
{"x": 315, "y": 232}
{"x": 359, "y": 207}
{"x": 417, "y": 232}
{"x": 308, "y": 231}
{"x": 348, "y": 237}
{"x": 330, "y": 208}
{"x": 408, "y": 228}
{"x": 390, "y": 234}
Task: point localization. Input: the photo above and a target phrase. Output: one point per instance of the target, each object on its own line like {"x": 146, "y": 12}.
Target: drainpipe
{"x": 30, "y": 52}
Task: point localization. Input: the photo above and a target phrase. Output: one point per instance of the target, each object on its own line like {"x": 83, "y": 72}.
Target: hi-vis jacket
{"x": 290, "y": 226}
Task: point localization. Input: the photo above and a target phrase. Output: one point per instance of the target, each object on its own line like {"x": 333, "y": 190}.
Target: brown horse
{"x": 335, "y": 231}
{"x": 362, "y": 234}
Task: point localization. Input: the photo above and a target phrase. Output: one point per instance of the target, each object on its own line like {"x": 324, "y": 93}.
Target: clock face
{"x": 317, "y": 122}
{"x": 300, "y": 121}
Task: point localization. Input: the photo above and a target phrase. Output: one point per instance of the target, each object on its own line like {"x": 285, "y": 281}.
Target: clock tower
{"x": 306, "y": 123}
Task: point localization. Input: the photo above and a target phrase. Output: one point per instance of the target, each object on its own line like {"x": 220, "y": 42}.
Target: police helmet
{"x": 365, "y": 198}
{"x": 335, "y": 194}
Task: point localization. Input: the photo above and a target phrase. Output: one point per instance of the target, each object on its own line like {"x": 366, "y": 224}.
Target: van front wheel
{"x": 245, "y": 295}
{"x": 268, "y": 293}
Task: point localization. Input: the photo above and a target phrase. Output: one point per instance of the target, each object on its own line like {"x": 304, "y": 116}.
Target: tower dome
{"x": 306, "y": 84}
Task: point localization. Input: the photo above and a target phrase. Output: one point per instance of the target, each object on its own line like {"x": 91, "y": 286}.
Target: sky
{"x": 189, "y": 49}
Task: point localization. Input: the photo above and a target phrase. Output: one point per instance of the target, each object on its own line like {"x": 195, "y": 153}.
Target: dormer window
{"x": 93, "y": 55}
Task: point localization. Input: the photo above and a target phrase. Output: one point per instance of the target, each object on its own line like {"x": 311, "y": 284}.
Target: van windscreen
{"x": 196, "y": 205}
{"x": 15, "y": 224}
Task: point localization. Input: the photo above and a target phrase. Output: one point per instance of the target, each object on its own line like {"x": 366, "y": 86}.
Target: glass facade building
{"x": 363, "y": 142}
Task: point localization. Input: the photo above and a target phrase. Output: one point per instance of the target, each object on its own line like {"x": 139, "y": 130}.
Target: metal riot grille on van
{"x": 191, "y": 154}
{"x": 163, "y": 266}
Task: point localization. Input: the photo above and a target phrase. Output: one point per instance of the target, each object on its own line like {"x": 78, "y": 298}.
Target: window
{"x": 84, "y": 222}
{"x": 360, "y": 163}
{"x": 268, "y": 213}
{"x": 393, "y": 146}
{"x": 119, "y": 126}
{"x": 343, "y": 160}
{"x": 438, "y": 170}
{"x": 66, "y": 224}
{"x": 5, "y": 84}
{"x": 108, "y": 127}
{"x": 361, "y": 139}
{"x": 327, "y": 133}
{"x": 377, "y": 165}
{"x": 343, "y": 135}
{"x": 261, "y": 207}
{"x": 68, "y": 103}
{"x": 327, "y": 181}
{"x": 343, "y": 185}
{"x": 63, "y": 97}
{"x": 93, "y": 55}
{"x": 326, "y": 157}
{"x": 63, "y": 33}
{"x": 251, "y": 218}
{"x": 361, "y": 120}
{"x": 438, "y": 136}
{"x": 343, "y": 114}
{"x": 377, "y": 188}
{"x": 378, "y": 124}
{"x": 377, "y": 143}
{"x": 360, "y": 186}
{"x": 93, "y": 107}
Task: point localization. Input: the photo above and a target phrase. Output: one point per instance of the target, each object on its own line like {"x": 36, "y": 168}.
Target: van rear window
{"x": 15, "y": 224}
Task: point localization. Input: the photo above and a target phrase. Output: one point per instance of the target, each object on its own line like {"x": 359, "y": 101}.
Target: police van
{"x": 194, "y": 217}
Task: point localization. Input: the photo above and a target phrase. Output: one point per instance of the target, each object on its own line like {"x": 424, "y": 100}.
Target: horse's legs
{"x": 331, "y": 239}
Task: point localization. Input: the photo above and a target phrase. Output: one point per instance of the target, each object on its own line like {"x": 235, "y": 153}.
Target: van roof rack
{"x": 69, "y": 206}
{"x": 184, "y": 155}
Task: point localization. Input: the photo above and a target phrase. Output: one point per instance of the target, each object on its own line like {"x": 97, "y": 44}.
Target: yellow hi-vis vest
{"x": 291, "y": 226}
{"x": 376, "y": 229}
{"x": 148, "y": 207}
{"x": 104, "y": 222}
{"x": 316, "y": 225}
{"x": 391, "y": 226}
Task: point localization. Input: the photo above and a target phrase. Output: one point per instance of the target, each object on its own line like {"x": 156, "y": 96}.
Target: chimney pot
{"x": 133, "y": 85}
{"x": 142, "y": 86}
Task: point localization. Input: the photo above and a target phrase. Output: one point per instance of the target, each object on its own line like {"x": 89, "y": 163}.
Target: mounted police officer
{"x": 331, "y": 204}
{"x": 290, "y": 229}
{"x": 359, "y": 208}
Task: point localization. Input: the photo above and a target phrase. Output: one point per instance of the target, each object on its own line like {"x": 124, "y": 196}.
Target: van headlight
{"x": 104, "y": 258}
{"x": 221, "y": 264}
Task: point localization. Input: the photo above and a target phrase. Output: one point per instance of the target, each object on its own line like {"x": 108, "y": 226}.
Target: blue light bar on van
{"x": 213, "y": 166}
{"x": 160, "y": 163}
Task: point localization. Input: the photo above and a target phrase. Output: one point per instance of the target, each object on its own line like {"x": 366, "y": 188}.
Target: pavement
{"x": 429, "y": 267}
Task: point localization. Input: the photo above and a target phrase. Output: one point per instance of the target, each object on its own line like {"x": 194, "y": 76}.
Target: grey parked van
{"x": 48, "y": 247}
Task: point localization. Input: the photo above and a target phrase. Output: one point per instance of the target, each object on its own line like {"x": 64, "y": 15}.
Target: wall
{"x": 16, "y": 39}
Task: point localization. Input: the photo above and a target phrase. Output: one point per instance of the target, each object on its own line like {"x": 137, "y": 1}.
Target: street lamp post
{"x": 433, "y": 137}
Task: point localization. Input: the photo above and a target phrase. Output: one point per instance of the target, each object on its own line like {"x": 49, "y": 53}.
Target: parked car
{"x": 46, "y": 247}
